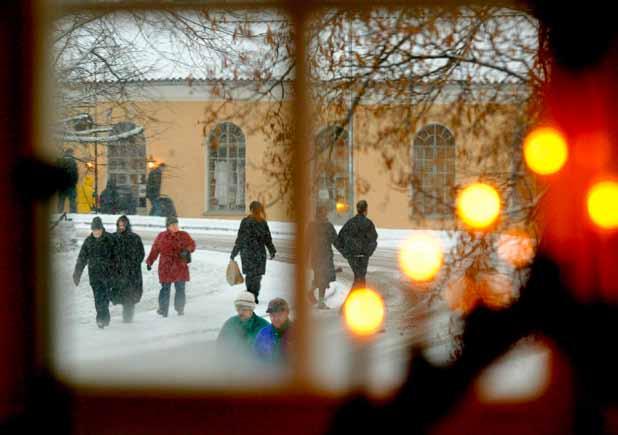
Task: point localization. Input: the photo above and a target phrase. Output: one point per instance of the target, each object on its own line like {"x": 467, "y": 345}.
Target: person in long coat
{"x": 153, "y": 189}
{"x": 321, "y": 236}
{"x": 69, "y": 166}
{"x": 109, "y": 199}
{"x": 238, "y": 333}
{"x": 97, "y": 253}
{"x": 357, "y": 241}
{"x": 128, "y": 257}
{"x": 174, "y": 247}
{"x": 252, "y": 241}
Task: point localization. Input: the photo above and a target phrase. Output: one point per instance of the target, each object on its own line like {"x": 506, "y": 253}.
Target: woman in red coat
{"x": 175, "y": 248}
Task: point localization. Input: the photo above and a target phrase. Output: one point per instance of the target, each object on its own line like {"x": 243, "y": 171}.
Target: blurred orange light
{"x": 341, "y": 207}
{"x": 421, "y": 257}
{"x": 151, "y": 165}
{"x": 515, "y": 248}
{"x": 602, "y": 204}
{"x": 545, "y": 151}
{"x": 478, "y": 205}
{"x": 364, "y": 312}
{"x": 493, "y": 290}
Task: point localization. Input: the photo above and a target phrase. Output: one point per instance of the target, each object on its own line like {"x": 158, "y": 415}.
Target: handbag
{"x": 233, "y": 275}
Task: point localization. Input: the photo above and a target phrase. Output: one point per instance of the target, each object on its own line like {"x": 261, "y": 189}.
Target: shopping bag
{"x": 233, "y": 274}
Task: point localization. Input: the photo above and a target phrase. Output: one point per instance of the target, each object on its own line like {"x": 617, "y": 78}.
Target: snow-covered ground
{"x": 180, "y": 351}
{"x": 388, "y": 238}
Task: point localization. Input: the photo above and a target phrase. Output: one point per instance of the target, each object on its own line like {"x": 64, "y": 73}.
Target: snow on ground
{"x": 80, "y": 343}
{"x": 388, "y": 238}
{"x": 180, "y": 351}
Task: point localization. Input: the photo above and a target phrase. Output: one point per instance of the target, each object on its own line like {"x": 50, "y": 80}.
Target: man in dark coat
{"x": 153, "y": 189}
{"x": 97, "y": 253}
{"x": 321, "y": 235}
{"x": 128, "y": 256}
{"x": 175, "y": 248}
{"x": 252, "y": 241}
{"x": 69, "y": 166}
{"x": 357, "y": 241}
{"x": 109, "y": 199}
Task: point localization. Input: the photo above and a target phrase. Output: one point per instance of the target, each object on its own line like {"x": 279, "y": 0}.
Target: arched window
{"x": 433, "y": 157}
{"x": 226, "y": 168}
{"x": 332, "y": 172}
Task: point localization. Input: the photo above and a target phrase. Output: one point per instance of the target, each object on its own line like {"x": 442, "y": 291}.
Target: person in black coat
{"x": 153, "y": 189}
{"x": 109, "y": 199}
{"x": 128, "y": 257}
{"x": 321, "y": 235}
{"x": 252, "y": 240}
{"x": 97, "y": 253}
{"x": 357, "y": 241}
{"x": 69, "y": 166}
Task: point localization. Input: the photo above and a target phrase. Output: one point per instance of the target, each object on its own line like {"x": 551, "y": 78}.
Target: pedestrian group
{"x": 115, "y": 274}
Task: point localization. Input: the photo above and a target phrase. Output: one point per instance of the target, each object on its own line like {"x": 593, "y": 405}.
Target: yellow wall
{"x": 175, "y": 135}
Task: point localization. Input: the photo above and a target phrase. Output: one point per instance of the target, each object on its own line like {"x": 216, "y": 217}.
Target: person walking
{"x": 357, "y": 241}
{"x": 97, "y": 252}
{"x": 153, "y": 189}
{"x": 238, "y": 333}
{"x": 69, "y": 166}
{"x": 321, "y": 236}
{"x": 175, "y": 248}
{"x": 251, "y": 242}
{"x": 272, "y": 343}
{"x": 128, "y": 256}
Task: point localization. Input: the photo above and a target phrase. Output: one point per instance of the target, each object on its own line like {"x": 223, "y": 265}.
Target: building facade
{"x": 216, "y": 165}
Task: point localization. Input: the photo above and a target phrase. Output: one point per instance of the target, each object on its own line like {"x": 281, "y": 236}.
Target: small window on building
{"x": 226, "y": 168}
{"x": 433, "y": 157}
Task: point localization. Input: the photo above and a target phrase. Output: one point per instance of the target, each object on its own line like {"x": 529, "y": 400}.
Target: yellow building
{"x": 215, "y": 169}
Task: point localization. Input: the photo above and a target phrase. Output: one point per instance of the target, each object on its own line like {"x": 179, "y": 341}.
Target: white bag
{"x": 233, "y": 275}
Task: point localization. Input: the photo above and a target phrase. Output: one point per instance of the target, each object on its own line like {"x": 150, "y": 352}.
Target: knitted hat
{"x": 97, "y": 224}
{"x": 170, "y": 220}
{"x": 245, "y": 300}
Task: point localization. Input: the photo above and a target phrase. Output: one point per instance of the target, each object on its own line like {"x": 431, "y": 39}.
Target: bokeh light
{"x": 364, "y": 312}
{"x": 478, "y": 205}
{"x": 516, "y": 248}
{"x": 420, "y": 257}
{"x": 545, "y": 150}
{"x": 602, "y": 202}
{"x": 493, "y": 290}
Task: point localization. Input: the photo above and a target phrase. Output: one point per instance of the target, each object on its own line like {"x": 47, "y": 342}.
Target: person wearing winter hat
{"x": 97, "y": 252}
{"x": 238, "y": 332}
{"x": 272, "y": 343}
{"x": 174, "y": 246}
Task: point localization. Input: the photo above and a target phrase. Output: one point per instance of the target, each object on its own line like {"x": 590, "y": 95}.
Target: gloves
{"x": 272, "y": 255}
{"x": 76, "y": 279}
{"x": 148, "y": 267}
